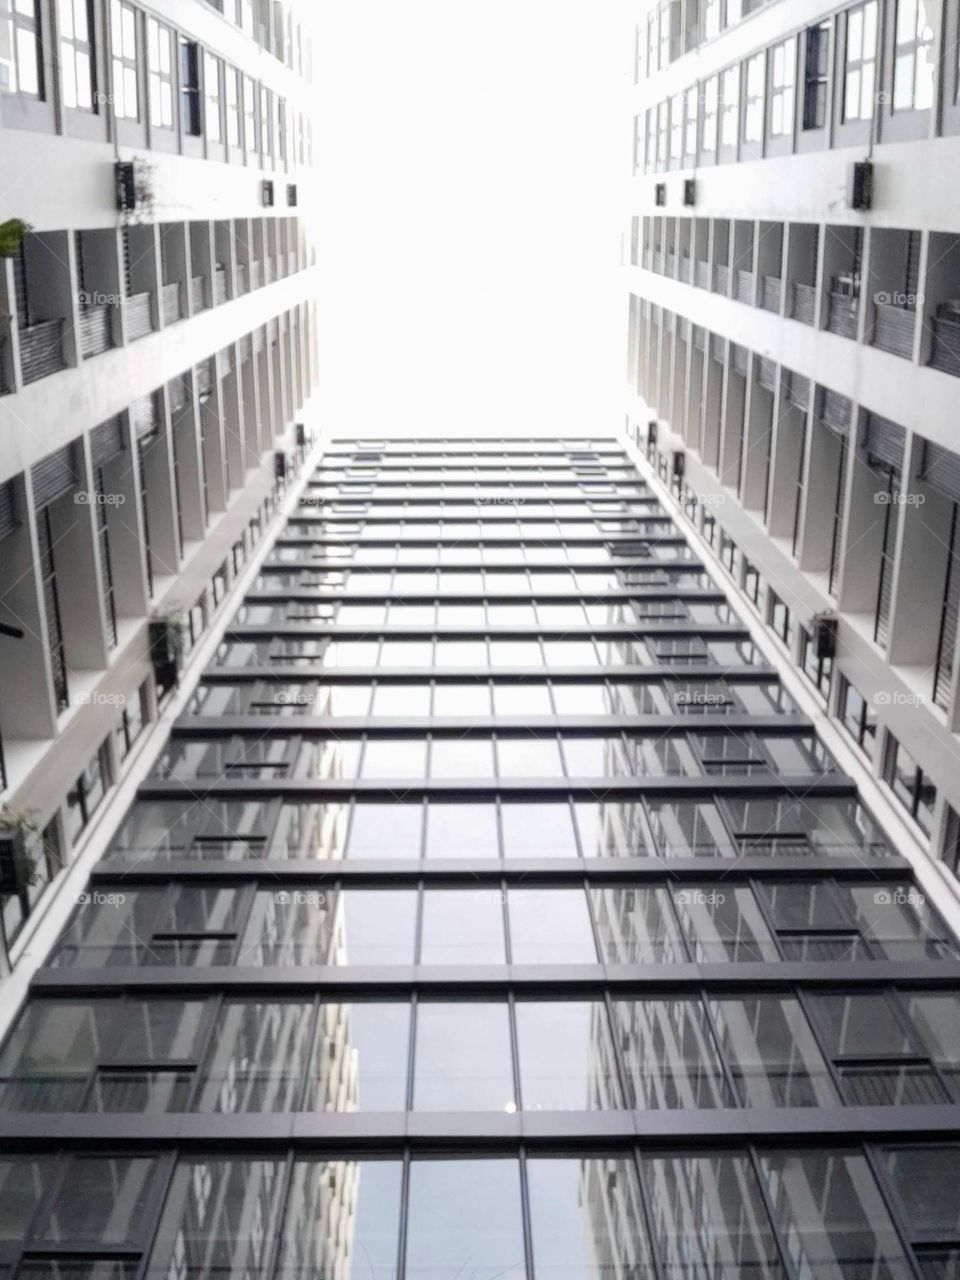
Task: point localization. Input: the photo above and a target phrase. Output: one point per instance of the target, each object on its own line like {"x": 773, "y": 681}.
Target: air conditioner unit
{"x": 125, "y": 179}
{"x": 280, "y": 465}
{"x": 860, "y": 189}
{"x": 846, "y": 285}
{"x": 679, "y": 462}
{"x": 660, "y": 194}
{"x": 652, "y": 431}
{"x": 267, "y": 193}
{"x": 825, "y": 635}
{"x": 301, "y": 435}
{"x": 689, "y": 192}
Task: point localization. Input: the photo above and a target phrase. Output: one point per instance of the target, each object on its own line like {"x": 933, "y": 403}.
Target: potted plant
{"x": 18, "y": 867}
{"x": 11, "y": 236}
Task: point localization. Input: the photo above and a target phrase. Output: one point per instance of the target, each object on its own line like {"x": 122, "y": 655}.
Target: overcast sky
{"x": 472, "y": 165}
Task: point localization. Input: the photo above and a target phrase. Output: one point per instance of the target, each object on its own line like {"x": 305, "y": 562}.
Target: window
{"x": 690, "y": 122}
{"x": 782, "y": 66}
{"x": 730, "y": 107}
{"x": 568, "y": 1235}
{"x": 77, "y": 55}
{"x": 859, "y": 719}
{"x": 249, "y": 115}
{"x": 160, "y": 74}
{"x": 753, "y": 105}
{"x": 266, "y": 122}
{"x": 676, "y": 127}
{"x": 816, "y": 75}
{"x": 464, "y": 1217}
{"x": 910, "y": 784}
{"x": 860, "y": 61}
{"x": 457, "y": 830}
{"x": 771, "y": 1051}
{"x": 566, "y": 1056}
{"x": 780, "y": 618}
{"x": 663, "y": 116}
{"x": 259, "y": 1051}
{"x": 190, "y": 87}
{"x": 87, "y": 793}
{"x": 211, "y": 86}
{"x": 913, "y": 64}
{"x": 669, "y": 1056}
{"x": 233, "y": 96}
{"x": 463, "y": 1057}
{"x": 123, "y": 42}
{"x": 819, "y": 671}
{"x": 133, "y": 718}
{"x": 711, "y": 19}
{"x": 20, "y": 63}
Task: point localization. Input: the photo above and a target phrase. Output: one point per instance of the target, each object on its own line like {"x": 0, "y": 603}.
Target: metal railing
{"x": 804, "y": 303}
{"x": 95, "y": 332}
{"x": 197, "y": 298}
{"x": 842, "y": 314}
{"x": 770, "y": 293}
{"x": 170, "y": 304}
{"x": 945, "y": 354}
{"x": 893, "y": 329}
{"x": 139, "y": 317}
{"x": 721, "y": 279}
{"x": 746, "y": 282}
{"x": 220, "y": 286}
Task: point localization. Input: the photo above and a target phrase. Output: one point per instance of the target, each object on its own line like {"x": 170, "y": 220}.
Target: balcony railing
{"x": 945, "y": 355}
{"x": 893, "y": 330}
{"x": 842, "y": 314}
{"x": 96, "y": 334}
{"x": 170, "y": 303}
{"x": 41, "y": 350}
{"x": 139, "y": 317}
{"x": 770, "y": 293}
{"x": 804, "y": 306}
{"x": 220, "y": 286}
{"x": 746, "y": 282}
{"x": 721, "y": 279}
{"x": 197, "y": 297}
{"x": 701, "y": 276}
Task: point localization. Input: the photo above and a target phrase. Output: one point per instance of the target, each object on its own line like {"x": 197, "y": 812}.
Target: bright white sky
{"x": 472, "y": 169}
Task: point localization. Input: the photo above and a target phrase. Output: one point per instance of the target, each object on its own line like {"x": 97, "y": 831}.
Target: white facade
{"x": 799, "y": 355}
{"x": 157, "y": 355}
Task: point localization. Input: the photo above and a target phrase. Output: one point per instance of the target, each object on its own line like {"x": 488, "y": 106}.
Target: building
{"x": 794, "y": 349}
{"x": 157, "y": 348}
{"x": 493, "y": 909}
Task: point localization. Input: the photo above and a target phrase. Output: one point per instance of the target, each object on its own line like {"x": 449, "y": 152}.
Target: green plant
{"x": 11, "y": 236}
{"x": 18, "y": 866}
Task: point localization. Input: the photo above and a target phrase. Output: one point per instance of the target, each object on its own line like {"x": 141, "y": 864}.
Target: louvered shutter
{"x": 940, "y": 468}
{"x": 106, "y": 441}
{"x": 836, "y": 412}
{"x": 883, "y": 441}
{"x": 55, "y": 475}
{"x": 738, "y": 359}
{"x": 143, "y": 415}
{"x": 8, "y": 509}
{"x": 767, "y": 373}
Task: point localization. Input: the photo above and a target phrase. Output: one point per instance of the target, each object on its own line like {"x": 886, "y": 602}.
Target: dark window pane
{"x": 771, "y": 1051}
{"x": 139, "y": 1091}
{"x": 259, "y": 1048}
{"x": 637, "y": 926}
{"x": 288, "y": 926}
{"x": 52, "y": 1051}
{"x": 219, "y": 1219}
{"x": 827, "y": 1205}
{"x": 723, "y": 922}
{"x": 23, "y": 1180}
{"x": 464, "y": 1220}
{"x": 100, "y": 1200}
{"x": 926, "y": 1180}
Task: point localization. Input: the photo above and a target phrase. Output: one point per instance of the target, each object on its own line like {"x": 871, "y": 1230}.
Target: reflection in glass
{"x": 100, "y": 1200}
{"x": 708, "y": 1219}
{"x": 771, "y": 1051}
{"x": 936, "y": 1015}
{"x": 586, "y": 1221}
{"x": 288, "y": 926}
{"x": 359, "y": 1059}
{"x": 374, "y": 926}
{"x": 636, "y": 926}
{"x": 827, "y": 1204}
{"x": 926, "y": 1180}
{"x": 259, "y": 1048}
{"x": 612, "y": 829}
{"x": 668, "y": 1054}
{"x": 342, "y": 1221}
{"x": 566, "y": 1056}
{"x": 722, "y": 922}
{"x": 47, "y": 1059}
{"x": 463, "y": 1058}
{"x": 220, "y": 1218}
{"x": 465, "y": 1220}
{"x": 23, "y": 1180}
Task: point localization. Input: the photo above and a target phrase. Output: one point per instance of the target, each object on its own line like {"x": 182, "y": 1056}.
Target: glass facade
{"x": 492, "y": 910}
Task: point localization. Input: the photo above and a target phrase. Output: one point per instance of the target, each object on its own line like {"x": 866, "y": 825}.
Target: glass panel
{"x": 461, "y": 700}
{"x": 342, "y": 1220}
{"x": 23, "y": 1180}
{"x": 462, "y": 926}
{"x": 461, "y": 758}
{"x": 359, "y": 1060}
{"x": 400, "y": 758}
{"x": 53, "y": 1048}
{"x": 462, "y": 831}
{"x": 827, "y": 1205}
{"x": 220, "y": 1219}
{"x": 936, "y": 1016}
{"x": 543, "y": 830}
{"x": 550, "y": 926}
{"x": 463, "y": 1058}
{"x": 259, "y": 1048}
{"x": 926, "y": 1180}
{"x": 899, "y": 921}
{"x": 771, "y": 1052}
{"x": 612, "y": 829}
{"x": 385, "y": 831}
{"x": 374, "y": 926}
{"x": 709, "y": 1222}
{"x": 566, "y": 1056}
{"x": 668, "y": 1055}
{"x": 637, "y": 926}
{"x": 107, "y": 927}
{"x": 100, "y": 1200}
{"x": 586, "y": 1220}
{"x": 288, "y": 926}
{"x": 723, "y": 922}
{"x": 529, "y": 758}
{"x": 465, "y": 1220}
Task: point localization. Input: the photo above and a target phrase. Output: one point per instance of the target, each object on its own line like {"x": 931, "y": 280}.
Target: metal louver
{"x": 738, "y": 359}
{"x": 8, "y": 509}
{"x": 699, "y": 338}
{"x": 179, "y": 392}
{"x": 716, "y": 346}
{"x": 767, "y": 373}
{"x": 836, "y": 412}
{"x": 55, "y": 475}
{"x": 143, "y": 414}
{"x": 884, "y": 441}
{"x": 206, "y": 373}
{"x": 940, "y": 468}
{"x": 798, "y": 390}
{"x": 106, "y": 441}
